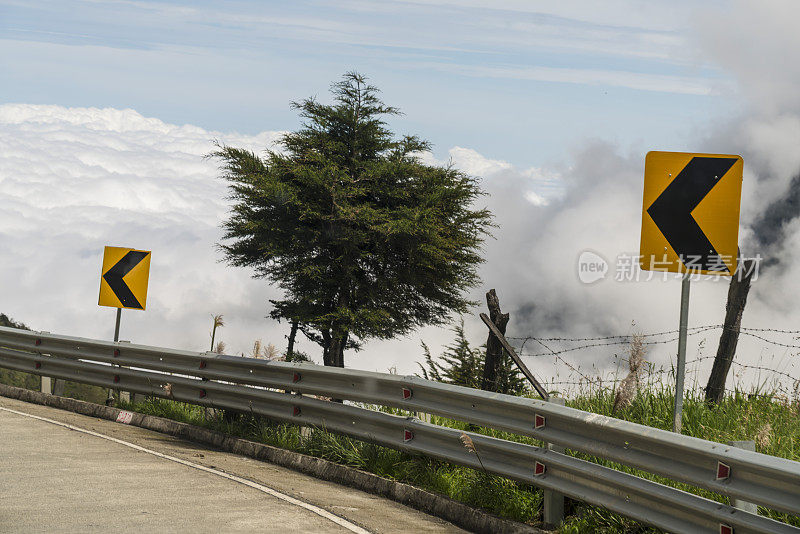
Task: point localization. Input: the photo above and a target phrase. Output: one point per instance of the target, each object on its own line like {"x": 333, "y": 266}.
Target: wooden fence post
{"x": 494, "y": 348}
{"x": 737, "y": 298}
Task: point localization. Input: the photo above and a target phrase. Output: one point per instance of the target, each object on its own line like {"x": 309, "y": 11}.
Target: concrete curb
{"x": 437, "y": 505}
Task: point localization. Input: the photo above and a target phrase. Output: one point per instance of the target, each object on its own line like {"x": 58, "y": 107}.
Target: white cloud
{"x": 471, "y": 162}
{"x": 535, "y": 198}
{"x": 74, "y": 180}
{"x": 758, "y": 43}
{"x": 661, "y": 83}
{"x": 620, "y": 13}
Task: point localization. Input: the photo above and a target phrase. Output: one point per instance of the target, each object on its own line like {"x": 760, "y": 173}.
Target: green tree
{"x": 462, "y": 365}
{"x": 5, "y": 320}
{"x": 364, "y": 239}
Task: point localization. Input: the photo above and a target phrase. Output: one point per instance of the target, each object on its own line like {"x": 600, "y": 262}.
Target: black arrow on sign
{"x": 672, "y": 211}
{"x": 115, "y": 274}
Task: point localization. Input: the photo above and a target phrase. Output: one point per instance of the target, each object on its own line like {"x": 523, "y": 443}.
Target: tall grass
{"x": 74, "y": 390}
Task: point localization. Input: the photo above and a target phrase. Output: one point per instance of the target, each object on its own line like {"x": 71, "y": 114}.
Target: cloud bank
{"x": 74, "y": 180}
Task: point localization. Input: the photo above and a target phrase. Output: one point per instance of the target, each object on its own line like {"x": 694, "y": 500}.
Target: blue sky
{"x": 107, "y": 109}
{"x": 522, "y": 81}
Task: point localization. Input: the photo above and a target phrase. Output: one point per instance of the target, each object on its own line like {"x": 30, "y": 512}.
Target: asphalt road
{"x": 65, "y": 472}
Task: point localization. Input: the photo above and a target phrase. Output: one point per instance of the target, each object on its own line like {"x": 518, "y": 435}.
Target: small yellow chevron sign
{"x": 690, "y": 212}
{"x": 123, "y": 280}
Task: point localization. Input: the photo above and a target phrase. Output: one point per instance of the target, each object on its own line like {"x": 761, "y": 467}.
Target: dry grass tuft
{"x": 764, "y": 436}
{"x": 257, "y": 349}
{"x": 470, "y": 446}
{"x": 630, "y": 384}
{"x": 468, "y": 443}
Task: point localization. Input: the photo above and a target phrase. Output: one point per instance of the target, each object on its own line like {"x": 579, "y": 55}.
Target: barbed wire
{"x": 768, "y": 369}
{"x": 628, "y": 338}
{"x": 573, "y": 368}
{"x": 654, "y": 334}
{"x": 771, "y": 342}
{"x": 697, "y": 330}
{"x": 776, "y": 330}
{"x": 603, "y": 338}
{"x": 600, "y": 381}
{"x": 777, "y": 378}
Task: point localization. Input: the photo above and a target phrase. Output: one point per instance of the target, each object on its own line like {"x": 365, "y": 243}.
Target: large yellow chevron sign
{"x": 690, "y": 212}
{"x": 123, "y": 280}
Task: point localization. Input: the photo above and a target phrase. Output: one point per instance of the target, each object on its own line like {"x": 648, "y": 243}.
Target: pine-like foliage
{"x": 5, "y": 320}
{"x": 462, "y": 365}
{"x": 364, "y": 239}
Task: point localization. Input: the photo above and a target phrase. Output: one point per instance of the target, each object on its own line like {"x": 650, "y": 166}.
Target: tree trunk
{"x": 336, "y": 353}
{"x": 494, "y": 349}
{"x": 336, "y": 349}
{"x": 737, "y": 298}
{"x": 326, "y": 348}
{"x": 339, "y": 333}
{"x": 342, "y": 346}
{"x": 292, "y": 336}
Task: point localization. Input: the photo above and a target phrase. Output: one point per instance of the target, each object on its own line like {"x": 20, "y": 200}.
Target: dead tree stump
{"x": 494, "y": 349}
{"x": 737, "y": 298}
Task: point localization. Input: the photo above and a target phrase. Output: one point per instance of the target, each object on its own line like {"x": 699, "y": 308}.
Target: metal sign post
{"x": 123, "y": 284}
{"x": 110, "y": 398}
{"x": 690, "y": 224}
{"x": 680, "y": 371}
{"x": 116, "y": 328}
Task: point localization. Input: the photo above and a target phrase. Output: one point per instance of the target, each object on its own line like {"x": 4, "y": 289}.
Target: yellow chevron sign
{"x": 123, "y": 280}
{"x": 690, "y": 212}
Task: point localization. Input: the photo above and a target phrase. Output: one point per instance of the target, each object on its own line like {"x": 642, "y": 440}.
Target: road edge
{"x": 433, "y": 504}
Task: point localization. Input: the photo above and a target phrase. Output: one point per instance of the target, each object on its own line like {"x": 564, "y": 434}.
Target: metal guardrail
{"x": 224, "y": 381}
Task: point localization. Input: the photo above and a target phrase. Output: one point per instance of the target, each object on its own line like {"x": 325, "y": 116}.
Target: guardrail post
{"x": 123, "y": 396}
{"x": 553, "y": 501}
{"x": 58, "y": 387}
{"x": 748, "y": 445}
{"x": 47, "y": 385}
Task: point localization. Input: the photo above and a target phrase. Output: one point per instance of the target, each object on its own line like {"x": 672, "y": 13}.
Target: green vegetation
{"x": 462, "y": 365}
{"x": 773, "y": 423}
{"x": 771, "y": 420}
{"x": 19, "y": 379}
{"x": 73, "y": 390}
{"x": 363, "y": 238}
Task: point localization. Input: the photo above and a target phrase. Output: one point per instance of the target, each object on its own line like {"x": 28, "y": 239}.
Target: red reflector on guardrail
{"x": 723, "y": 471}
{"x": 296, "y": 411}
{"x": 116, "y": 352}
{"x": 38, "y": 365}
{"x": 407, "y": 435}
{"x": 116, "y": 378}
{"x": 539, "y": 468}
{"x": 725, "y": 529}
{"x": 202, "y": 364}
{"x": 202, "y": 393}
{"x": 407, "y": 393}
{"x": 538, "y": 421}
{"x": 296, "y": 377}
{"x": 37, "y": 342}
